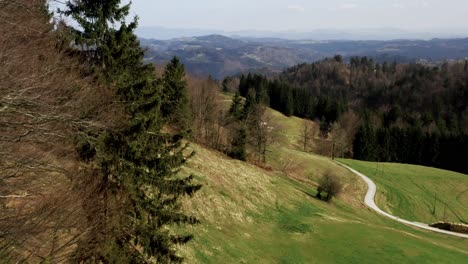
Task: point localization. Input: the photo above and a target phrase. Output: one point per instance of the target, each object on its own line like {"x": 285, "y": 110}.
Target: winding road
{"x": 369, "y": 201}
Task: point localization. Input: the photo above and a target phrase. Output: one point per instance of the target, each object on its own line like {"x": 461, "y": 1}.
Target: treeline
{"x": 420, "y": 103}
{"x": 411, "y": 145}
{"x": 289, "y": 100}
{"x": 434, "y": 98}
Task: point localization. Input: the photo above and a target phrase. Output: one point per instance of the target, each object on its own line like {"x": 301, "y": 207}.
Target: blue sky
{"x": 303, "y": 15}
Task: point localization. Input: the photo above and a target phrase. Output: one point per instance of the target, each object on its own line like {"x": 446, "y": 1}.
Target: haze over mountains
{"x": 379, "y": 33}
{"x": 220, "y": 56}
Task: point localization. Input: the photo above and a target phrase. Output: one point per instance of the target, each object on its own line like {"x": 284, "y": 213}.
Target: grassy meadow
{"x": 252, "y": 215}
{"x": 418, "y": 193}
{"x": 269, "y": 215}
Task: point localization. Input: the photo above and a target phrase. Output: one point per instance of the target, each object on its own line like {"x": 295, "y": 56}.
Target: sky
{"x": 303, "y": 15}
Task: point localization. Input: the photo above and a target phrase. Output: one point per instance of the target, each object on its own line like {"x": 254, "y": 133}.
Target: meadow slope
{"x": 254, "y": 215}
{"x": 418, "y": 193}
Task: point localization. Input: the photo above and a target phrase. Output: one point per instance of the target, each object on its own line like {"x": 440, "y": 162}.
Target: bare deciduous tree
{"x": 260, "y": 131}
{"x": 207, "y": 112}
{"x": 343, "y": 132}
{"x": 307, "y": 135}
{"x": 44, "y": 104}
{"x": 230, "y": 84}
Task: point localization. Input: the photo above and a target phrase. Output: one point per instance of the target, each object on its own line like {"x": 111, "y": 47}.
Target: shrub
{"x": 330, "y": 184}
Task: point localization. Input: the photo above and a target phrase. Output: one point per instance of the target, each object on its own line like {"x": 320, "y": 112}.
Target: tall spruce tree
{"x": 236, "y": 109}
{"x": 250, "y": 103}
{"x": 175, "y": 106}
{"x": 104, "y": 37}
{"x": 137, "y": 163}
{"x": 236, "y": 115}
{"x": 239, "y": 145}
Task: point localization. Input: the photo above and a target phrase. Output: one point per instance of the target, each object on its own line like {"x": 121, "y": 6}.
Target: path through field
{"x": 369, "y": 201}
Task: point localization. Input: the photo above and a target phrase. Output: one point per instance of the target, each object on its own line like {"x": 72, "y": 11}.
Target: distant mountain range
{"x": 386, "y": 33}
{"x": 219, "y": 56}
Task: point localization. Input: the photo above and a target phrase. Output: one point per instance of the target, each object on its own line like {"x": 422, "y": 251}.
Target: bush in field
{"x": 330, "y": 184}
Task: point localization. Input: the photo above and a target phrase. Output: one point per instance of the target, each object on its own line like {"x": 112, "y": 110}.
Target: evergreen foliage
{"x": 237, "y": 116}
{"x": 251, "y": 126}
{"x": 413, "y": 112}
{"x": 411, "y": 145}
{"x": 365, "y": 143}
{"x": 137, "y": 164}
{"x": 289, "y": 100}
{"x": 104, "y": 37}
{"x": 236, "y": 109}
{"x": 175, "y": 104}
{"x": 239, "y": 145}
{"x": 250, "y": 103}
{"x": 226, "y": 84}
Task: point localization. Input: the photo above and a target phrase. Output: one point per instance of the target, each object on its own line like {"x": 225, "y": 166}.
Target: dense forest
{"x": 425, "y": 107}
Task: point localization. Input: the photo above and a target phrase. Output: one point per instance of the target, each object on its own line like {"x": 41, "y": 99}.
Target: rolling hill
{"x": 254, "y": 215}
{"x": 220, "y": 56}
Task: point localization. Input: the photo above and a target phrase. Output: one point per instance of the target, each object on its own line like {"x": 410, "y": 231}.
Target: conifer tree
{"x": 239, "y": 145}
{"x": 104, "y": 37}
{"x": 289, "y": 103}
{"x": 238, "y": 148}
{"x": 175, "y": 105}
{"x": 225, "y": 84}
{"x": 365, "y": 143}
{"x": 250, "y": 103}
{"x": 236, "y": 107}
{"x": 137, "y": 163}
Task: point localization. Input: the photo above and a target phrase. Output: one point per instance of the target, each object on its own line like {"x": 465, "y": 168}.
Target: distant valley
{"x": 220, "y": 56}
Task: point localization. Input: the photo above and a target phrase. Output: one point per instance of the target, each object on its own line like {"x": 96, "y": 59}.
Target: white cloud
{"x": 296, "y": 8}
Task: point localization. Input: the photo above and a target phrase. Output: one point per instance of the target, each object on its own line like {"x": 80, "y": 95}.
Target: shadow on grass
{"x": 307, "y": 191}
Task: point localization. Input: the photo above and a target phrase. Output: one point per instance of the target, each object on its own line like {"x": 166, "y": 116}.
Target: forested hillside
{"x": 409, "y": 113}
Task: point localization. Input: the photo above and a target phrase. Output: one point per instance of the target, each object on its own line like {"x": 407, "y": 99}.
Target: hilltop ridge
{"x": 219, "y": 56}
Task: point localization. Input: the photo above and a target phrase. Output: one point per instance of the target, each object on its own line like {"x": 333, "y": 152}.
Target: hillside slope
{"x": 252, "y": 215}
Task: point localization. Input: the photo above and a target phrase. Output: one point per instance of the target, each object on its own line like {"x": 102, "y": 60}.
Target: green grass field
{"x": 251, "y": 215}
{"x": 418, "y": 193}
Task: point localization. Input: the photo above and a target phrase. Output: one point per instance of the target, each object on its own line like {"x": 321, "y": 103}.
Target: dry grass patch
{"x": 231, "y": 187}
